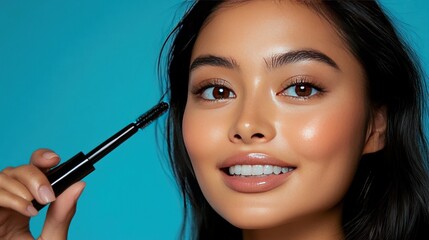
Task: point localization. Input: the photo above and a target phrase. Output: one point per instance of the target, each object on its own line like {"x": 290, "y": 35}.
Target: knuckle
{"x": 7, "y": 170}
{"x": 31, "y": 170}
{"x": 19, "y": 203}
{"x": 28, "y": 174}
{"x": 3, "y": 177}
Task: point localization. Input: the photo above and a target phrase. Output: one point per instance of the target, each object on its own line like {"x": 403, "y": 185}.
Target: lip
{"x": 254, "y": 184}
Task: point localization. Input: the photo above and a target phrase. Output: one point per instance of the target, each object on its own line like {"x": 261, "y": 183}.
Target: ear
{"x": 376, "y": 134}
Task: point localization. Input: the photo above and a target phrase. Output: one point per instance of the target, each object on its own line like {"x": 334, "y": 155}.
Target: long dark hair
{"x": 389, "y": 197}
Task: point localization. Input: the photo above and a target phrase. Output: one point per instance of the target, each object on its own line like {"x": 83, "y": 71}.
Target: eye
{"x": 212, "y": 90}
{"x": 217, "y": 92}
{"x": 301, "y": 88}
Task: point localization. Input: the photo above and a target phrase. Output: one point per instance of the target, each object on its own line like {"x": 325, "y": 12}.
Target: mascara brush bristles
{"x": 151, "y": 115}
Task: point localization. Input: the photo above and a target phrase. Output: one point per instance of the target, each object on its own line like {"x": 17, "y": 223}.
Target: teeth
{"x": 246, "y": 170}
{"x": 268, "y": 169}
{"x": 257, "y": 170}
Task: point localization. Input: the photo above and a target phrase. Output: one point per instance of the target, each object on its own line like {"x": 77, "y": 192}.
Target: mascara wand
{"x": 79, "y": 166}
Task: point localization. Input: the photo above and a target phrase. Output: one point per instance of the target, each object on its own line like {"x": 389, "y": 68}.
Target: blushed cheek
{"x": 330, "y": 135}
{"x": 308, "y": 133}
{"x": 201, "y": 132}
{"x": 189, "y": 131}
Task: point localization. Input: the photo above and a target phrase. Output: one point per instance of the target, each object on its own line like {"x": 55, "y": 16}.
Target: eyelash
{"x": 303, "y": 81}
{"x": 200, "y": 89}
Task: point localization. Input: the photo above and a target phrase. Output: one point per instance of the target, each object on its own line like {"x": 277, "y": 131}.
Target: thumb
{"x": 61, "y": 212}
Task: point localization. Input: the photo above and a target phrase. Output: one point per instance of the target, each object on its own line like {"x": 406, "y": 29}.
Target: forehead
{"x": 249, "y": 21}
{"x": 259, "y": 29}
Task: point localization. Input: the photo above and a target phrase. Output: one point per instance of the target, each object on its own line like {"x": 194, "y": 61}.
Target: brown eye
{"x": 303, "y": 90}
{"x": 217, "y": 93}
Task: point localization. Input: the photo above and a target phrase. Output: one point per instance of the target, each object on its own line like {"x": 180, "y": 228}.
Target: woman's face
{"x": 276, "y": 118}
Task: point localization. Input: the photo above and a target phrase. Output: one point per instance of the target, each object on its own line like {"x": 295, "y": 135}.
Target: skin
{"x": 323, "y": 135}
{"x": 20, "y": 185}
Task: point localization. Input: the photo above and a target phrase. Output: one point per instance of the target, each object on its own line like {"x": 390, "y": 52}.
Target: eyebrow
{"x": 274, "y": 61}
{"x": 212, "y": 60}
{"x": 279, "y": 60}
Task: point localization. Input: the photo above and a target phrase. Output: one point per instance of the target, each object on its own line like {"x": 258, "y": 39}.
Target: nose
{"x": 253, "y": 124}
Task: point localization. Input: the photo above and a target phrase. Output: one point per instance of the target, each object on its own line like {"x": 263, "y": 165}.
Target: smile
{"x": 257, "y": 170}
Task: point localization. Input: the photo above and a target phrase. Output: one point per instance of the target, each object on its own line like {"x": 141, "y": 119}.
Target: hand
{"x": 20, "y": 185}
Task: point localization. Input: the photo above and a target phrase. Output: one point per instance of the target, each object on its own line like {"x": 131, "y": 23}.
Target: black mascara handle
{"x": 67, "y": 173}
{"x": 79, "y": 166}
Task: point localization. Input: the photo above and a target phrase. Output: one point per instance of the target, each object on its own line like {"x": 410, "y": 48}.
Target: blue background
{"x": 74, "y": 72}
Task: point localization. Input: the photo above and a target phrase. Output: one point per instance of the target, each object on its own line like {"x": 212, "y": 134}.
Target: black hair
{"x": 389, "y": 196}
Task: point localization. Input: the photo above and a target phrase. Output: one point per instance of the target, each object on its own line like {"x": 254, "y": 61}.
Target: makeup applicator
{"x": 79, "y": 166}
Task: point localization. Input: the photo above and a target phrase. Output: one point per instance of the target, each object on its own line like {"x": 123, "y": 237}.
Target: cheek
{"x": 328, "y": 144}
{"x": 202, "y": 134}
{"x": 329, "y": 134}
{"x": 193, "y": 133}
{"x": 335, "y": 127}
{"x": 204, "y": 138}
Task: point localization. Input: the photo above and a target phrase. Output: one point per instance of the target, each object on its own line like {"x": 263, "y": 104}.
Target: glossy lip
{"x": 254, "y": 184}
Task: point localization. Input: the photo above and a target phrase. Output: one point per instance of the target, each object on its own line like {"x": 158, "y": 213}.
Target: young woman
{"x": 326, "y": 92}
{"x": 289, "y": 120}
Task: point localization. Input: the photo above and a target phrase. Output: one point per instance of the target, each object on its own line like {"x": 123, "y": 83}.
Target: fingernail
{"x": 49, "y": 155}
{"x": 46, "y": 194}
{"x": 31, "y": 210}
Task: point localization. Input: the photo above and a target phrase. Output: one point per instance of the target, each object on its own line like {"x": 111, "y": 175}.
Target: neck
{"x": 326, "y": 226}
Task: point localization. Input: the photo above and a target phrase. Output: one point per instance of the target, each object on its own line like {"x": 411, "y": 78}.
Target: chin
{"x": 254, "y": 219}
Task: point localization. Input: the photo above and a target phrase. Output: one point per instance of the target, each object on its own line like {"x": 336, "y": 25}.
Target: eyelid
{"x": 296, "y": 80}
{"x": 203, "y": 85}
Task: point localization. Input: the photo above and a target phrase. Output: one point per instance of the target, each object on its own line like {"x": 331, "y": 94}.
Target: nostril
{"x": 237, "y": 136}
{"x": 258, "y": 135}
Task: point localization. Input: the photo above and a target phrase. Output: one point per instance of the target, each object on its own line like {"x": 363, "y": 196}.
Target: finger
{"x": 35, "y": 181}
{"x": 61, "y": 212}
{"x": 44, "y": 159}
{"x": 16, "y": 203}
{"x": 13, "y": 186}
